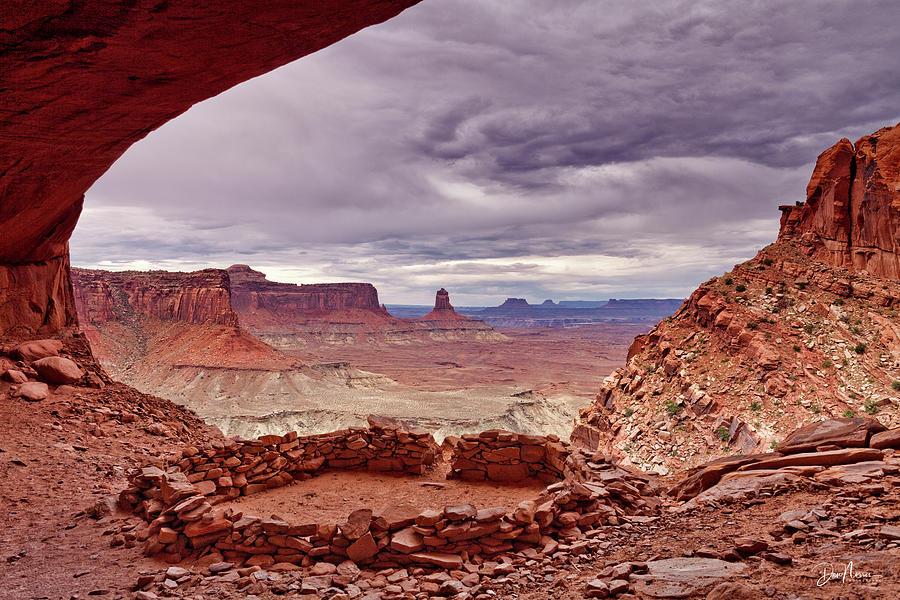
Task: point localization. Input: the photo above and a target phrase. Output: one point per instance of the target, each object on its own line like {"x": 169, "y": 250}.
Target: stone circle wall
{"x": 178, "y": 503}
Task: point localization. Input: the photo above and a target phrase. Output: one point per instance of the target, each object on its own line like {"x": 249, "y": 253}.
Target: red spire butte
{"x": 442, "y": 300}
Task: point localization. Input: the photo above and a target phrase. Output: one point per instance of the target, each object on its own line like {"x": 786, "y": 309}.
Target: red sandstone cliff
{"x": 804, "y": 331}
{"x": 200, "y": 297}
{"x": 159, "y": 319}
{"x": 851, "y": 217}
{"x": 261, "y": 302}
{"x": 83, "y": 81}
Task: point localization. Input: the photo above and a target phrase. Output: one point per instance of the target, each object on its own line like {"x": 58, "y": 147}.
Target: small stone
{"x": 617, "y": 586}
{"x": 596, "y": 588}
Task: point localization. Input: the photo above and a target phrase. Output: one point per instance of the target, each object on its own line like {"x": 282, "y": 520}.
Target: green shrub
{"x": 838, "y": 302}
{"x": 740, "y": 288}
{"x": 627, "y": 412}
{"x": 672, "y": 407}
{"x": 796, "y": 348}
{"x": 773, "y": 445}
{"x": 768, "y": 291}
{"x": 860, "y": 348}
{"x": 896, "y": 386}
{"x": 809, "y": 328}
{"x": 729, "y": 281}
{"x": 752, "y": 325}
{"x": 755, "y": 406}
{"x": 827, "y": 363}
{"x": 767, "y": 261}
{"x": 722, "y": 433}
{"x": 815, "y": 408}
{"x": 849, "y": 414}
{"x": 871, "y": 407}
{"x": 853, "y": 395}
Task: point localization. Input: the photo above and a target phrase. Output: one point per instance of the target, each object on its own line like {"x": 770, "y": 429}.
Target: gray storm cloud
{"x": 514, "y": 148}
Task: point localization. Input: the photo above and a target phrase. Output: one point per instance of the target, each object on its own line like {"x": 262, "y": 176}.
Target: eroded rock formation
{"x": 805, "y": 330}
{"x": 851, "y": 217}
{"x": 82, "y": 81}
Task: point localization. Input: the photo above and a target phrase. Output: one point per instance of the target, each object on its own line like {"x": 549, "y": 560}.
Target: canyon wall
{"x": 200, "y": 297}
{"x": 805, "y": 330}
{"x": 83, "y": 81}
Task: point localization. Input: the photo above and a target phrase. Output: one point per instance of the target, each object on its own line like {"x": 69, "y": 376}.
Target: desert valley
{"x": 218, "y": 433}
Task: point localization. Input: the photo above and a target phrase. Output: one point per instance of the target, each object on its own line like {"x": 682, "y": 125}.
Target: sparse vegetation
{"x": 796, "y": 348}
{"x": 809, "y": 328}
{"x": 740, "y": 288}
{"x": 672, "y": 407}
{"x": 768, "y": 291}
{"x": 896, "y": 386}
{"x": 826, "y": 364}
{"x": 729, "y": 281}
{"x": 860, "y": 348}
{"x": 752, "y": 325}
{"x": 853, "y": 395}
{"x": 627, "y": 412}
{"x": 756, "y": 406}
{"x": 871, "y": 407}
{"x": 838, "y": 302}
{"x": 849, "y": 414}
{"x": 815, "y": 408}
{"x": 767, "y": 261}
{"x": 722, "y": 433}
{"x": 773, "y": 445}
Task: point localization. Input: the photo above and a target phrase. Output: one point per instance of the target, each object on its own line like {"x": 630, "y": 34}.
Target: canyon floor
{"x": 533, "y": 381}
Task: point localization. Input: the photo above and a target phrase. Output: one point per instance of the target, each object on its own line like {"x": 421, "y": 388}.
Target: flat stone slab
{"x": 682, "y": 577}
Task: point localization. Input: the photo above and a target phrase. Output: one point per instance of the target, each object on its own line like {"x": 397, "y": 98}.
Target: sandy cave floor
{"x": 331, "y": 496}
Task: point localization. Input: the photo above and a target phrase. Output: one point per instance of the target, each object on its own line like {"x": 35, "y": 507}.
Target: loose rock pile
{"x": 30, "y": 366}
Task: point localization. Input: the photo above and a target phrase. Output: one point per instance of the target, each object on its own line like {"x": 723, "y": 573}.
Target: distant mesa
{"x": 515, "y": 303}
{"x": 548, "y": 303}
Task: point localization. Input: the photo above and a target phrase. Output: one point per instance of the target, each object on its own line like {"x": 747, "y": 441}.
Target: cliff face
{"x": 77, "y": 97}
{"x": 804, "y": 331}
{"x": 851, "y": 217}
{"x": 291, "y": 316}
{"x": 201, "y": 297}
{"x": 261, "y": 301}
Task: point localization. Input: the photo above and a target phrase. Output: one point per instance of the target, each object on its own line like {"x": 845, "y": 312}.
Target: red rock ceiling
{"x": 82, "y": 80}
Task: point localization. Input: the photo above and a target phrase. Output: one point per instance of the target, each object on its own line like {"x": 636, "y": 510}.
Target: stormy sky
{"x": 564, "y": 149}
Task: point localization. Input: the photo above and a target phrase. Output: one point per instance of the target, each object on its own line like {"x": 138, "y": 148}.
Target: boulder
{"x": 33, "y": 391}
{"x": 38, "y": 349}
{"x": 58, "y": 370}
{"x": 844, "y": 433}
{"x": 886, "y": 439}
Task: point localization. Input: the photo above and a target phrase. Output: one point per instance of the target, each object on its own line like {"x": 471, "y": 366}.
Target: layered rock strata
{"x": 75, "y": 98}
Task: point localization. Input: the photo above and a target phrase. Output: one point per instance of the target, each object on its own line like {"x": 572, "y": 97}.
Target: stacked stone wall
{"x": 505, "y": 456}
